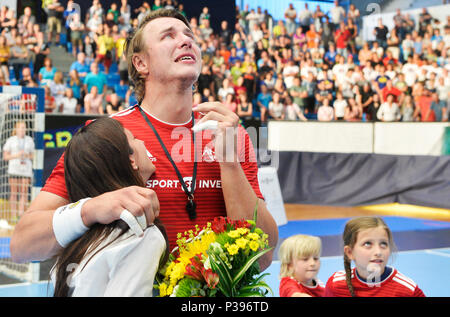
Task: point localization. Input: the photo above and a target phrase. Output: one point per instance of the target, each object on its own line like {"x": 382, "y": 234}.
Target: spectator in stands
{"x": 93, "y": 102}
{"x": 353, "y": 111}
{"x": 230, "y": 103}
{"x": 381, "y": 31}
{"x": 114, "y": 11}
{"x": 310, "y": 83}
{"x": 26, "y": 77}
{"x": 305, "y": 18}
{"x": 95, "y": 78}
{"x": 125, "y": 11}
{"x": 205, "y": 29}
{"x": 69, "y": 104}
{"x": 425, "y": 19}
{"x": 57, "y": 88}
{"x": 3, "y": 80}
{"x": 312, "y": 38}
{"x": 407, "y": 109}
{"x": 76, "y": 27}
{"x": 95, "y": 9}
{"x": 342, "y": 37}
{"x": 50, "y": 105}
{"x": 323, "y": 93}
{"x": 10, "y": 21}
{"x": 290, "y": 71}
{"x": 4, "y": 56}
{"x": 290, "y": 14}
{"x": 439, "y": 107}
{"x": 318, "y": 17}
{"x": 244, "y": 108}
{"x": 47, "y": 72}
{"x": 325, "y": 112}
{"x": 389, "y": 110}
{"x": 205, "y": 14}
{"x": 276, "y": 107}
{"x": 225, "y": 32}
{"x": 225, "y": 90}
{"x": 293, "y": 111}
{"x": 157, "y": 5}
{"x": 41, "y": 50}
{"x": 54, "y": 23}
{"x": 80, "y": 65}
{"x": 76, "y": 84}
{"x": 390, "y": 89}
{"x": 123, "y": 71}
{"x": 25, "y": 19}
{"x": 339, "y": 105}
{"x": 20, "y": 57}
{"x": 263, "y": 100}
{"x": 280, "y": 88}
{"x": 337, "y": 15}
{"x": 353, "y": 14}
{"x": 113, "y": 103}
{"x": 105, "y": 45}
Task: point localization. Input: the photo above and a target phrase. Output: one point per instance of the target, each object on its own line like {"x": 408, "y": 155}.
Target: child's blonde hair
{"x": 295, "y": 247}
{"x": 351, "y": 230}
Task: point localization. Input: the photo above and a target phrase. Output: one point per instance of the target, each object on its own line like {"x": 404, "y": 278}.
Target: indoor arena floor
{"x": 421, "y": 235}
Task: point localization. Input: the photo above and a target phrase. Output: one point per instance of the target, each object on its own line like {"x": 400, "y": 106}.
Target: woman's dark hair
{"x": 96, "y": 161}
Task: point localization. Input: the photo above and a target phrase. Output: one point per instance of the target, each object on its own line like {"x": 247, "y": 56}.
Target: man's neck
{"x": 172, "y": 106}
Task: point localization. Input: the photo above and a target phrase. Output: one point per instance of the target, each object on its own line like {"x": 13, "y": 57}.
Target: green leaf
{"x": 247, "y": 265}
{"x": 261, "y": 284}
{"x": 225, "y": 280}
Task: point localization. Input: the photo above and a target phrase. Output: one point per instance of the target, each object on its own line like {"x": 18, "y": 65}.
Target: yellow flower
{"x": 241, "y": 243}
{"x": 177, "y": 273}
{"x": 234, "y": 234}
{"x": 170, "y": 290}
{"x": 253, "y": 245}
{"x": 198, "y": 246}
{"x": 233, "y": 249}
{"x": 169, "y": 269}
{"x": 163, "y": 290}
{"x": 243, "y": 231}
{"x": 253, "y": 236}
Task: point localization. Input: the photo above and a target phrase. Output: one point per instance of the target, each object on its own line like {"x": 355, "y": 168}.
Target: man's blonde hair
{"x": 135, "y": 44}
{"x": 295, "y": 247}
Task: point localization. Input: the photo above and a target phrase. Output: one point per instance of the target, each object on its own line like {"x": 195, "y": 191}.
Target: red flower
{"x": 221, "y": 224}
{"x": 194, "y": 269}
{"x": 211, "y": 278}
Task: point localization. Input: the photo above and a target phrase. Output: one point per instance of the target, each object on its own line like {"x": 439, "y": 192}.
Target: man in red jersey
{"x": 164, "y": 62}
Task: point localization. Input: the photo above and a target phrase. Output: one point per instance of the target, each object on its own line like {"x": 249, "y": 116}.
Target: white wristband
{"x": 67, "y": 223}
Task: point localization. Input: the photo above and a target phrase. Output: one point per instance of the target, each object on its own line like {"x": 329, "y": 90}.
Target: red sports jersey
{"x": 393, "y": 285}
{"x": 178, "y": 141}
{"x": 289, "y": 286}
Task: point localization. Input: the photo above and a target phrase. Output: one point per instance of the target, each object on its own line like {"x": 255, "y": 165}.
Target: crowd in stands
{"x": 311, "y": 65}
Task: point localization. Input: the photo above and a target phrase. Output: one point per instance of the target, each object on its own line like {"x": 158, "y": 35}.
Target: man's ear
{"x": 140, "y": 63}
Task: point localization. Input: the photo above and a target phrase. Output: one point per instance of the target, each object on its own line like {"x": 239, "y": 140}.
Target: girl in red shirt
{"x": 368, "y": 243}
{"x": 300, "y": 264}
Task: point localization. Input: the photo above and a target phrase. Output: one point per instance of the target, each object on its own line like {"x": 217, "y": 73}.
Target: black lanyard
{"x": 191, "y": 204}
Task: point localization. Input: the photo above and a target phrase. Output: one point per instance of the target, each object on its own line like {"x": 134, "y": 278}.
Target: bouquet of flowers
{"x": 219, "y": 259}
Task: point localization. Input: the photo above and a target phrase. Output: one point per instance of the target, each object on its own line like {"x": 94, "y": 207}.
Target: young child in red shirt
{"x": 300, "y": 264}
{"x": 368, "y": 243}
